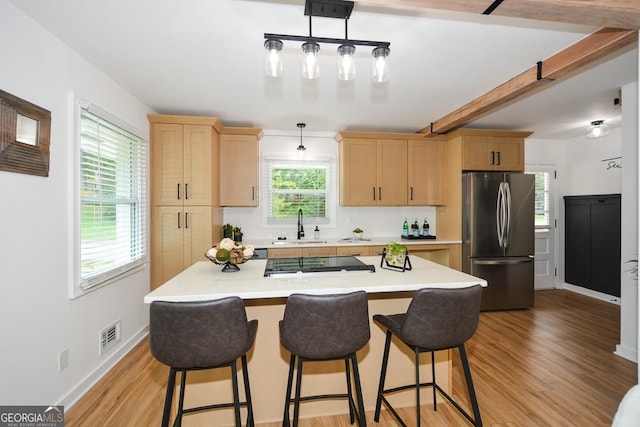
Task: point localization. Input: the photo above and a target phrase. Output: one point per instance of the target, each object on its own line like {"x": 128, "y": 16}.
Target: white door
{"x": 545, "y": 226}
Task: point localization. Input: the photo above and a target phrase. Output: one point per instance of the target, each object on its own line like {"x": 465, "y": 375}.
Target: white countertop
{"x": 205, "y": 281}
{"x": 373, "y": 241}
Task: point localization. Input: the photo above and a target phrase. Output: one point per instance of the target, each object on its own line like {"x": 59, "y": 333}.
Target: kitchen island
{"x": 389, "y": 292}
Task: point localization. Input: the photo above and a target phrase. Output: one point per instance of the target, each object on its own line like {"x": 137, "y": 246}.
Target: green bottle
{"x": 405, "y": 228}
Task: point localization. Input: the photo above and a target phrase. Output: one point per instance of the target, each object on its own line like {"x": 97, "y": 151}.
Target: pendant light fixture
{"x": 311, "y": 48}
{"x": 301, "y": 147}
{"x": 380, "y": 66}
{"x": 273, "y": 58}
{"x": 347, "y": 64}
{"x": 597, "y": 129}
{"x": 310, "y": 66}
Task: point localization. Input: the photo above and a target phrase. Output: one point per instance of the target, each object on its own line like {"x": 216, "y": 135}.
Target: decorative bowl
{"x": 231, "y": 265}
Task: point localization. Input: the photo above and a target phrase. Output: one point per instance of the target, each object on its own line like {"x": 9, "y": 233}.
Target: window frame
{"x": 324, "y": 161}
{"x": 82, "y": 285}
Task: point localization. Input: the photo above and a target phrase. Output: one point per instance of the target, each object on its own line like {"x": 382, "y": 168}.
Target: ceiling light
{"x": 347, "y": 64}
{"x": 310, "y": 47}
{"x": 310, "y": 66}
{"x": 273, "y": 58}
{"x": 301, "y": 147}
{"x": 380, "y": 66}
{"x": 597, "y": 129}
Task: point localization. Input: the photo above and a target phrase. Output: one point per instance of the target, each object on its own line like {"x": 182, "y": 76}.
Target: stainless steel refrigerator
{"x": 498, "y": 236}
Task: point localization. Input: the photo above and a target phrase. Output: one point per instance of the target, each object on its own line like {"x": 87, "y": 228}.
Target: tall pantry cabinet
{"x": 185, "y": 213}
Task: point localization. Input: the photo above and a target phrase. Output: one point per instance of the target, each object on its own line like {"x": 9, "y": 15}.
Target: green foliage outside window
{"x": 298, "y": 188}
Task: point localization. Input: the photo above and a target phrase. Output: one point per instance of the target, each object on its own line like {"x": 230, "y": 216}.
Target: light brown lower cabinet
{"x": 181, "y": 236}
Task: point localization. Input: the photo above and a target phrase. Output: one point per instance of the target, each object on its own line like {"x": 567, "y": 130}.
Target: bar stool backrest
{"x": 442, "y": 318}
{"x": 199, "y": 334}
{"x": 325, "y": 326}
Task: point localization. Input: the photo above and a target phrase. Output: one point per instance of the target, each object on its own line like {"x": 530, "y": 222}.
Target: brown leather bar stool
{"x": 322, "y": 328}
{"x": 189, "y": 336}
{"x": 437, "y": 319}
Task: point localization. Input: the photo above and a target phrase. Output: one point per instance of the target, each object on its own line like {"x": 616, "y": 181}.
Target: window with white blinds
{"x": 293, "y": 185}
{"x": 112, "y": 207}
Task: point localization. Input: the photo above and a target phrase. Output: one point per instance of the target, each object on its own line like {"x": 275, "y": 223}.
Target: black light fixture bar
{"x": 268, "y": 36}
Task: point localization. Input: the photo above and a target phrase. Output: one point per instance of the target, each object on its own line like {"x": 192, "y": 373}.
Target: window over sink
{"x": 291, "y": 185}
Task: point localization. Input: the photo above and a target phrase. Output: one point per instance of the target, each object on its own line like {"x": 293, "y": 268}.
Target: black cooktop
{"x": 322, "y": 264}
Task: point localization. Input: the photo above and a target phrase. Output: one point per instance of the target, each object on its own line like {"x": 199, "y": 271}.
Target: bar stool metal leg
{"x": 171, "y": 385}
{"x": 236, "y": 396}
{"x": 287, "y": 402}
{"x": 347, "y": 372}
{"x": 356, "y": 374}
{"x": 383, "y": 375}
{"x": 433, "y": 378}
{"x": 472, "y": 393}
{"x": 296, "y": 402}
{"x": 417, "y": 363}
{"x": 247, "y": 391}
{"x": 183, "y": 383}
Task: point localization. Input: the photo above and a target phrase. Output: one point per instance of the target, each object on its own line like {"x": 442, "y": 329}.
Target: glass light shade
{"x": 273, "y": 66}
{"x": 310, "y": 67}
{"x": 597, "y": 129}
{"x": 347, "y": 64}
{"x": 380, "y": 64}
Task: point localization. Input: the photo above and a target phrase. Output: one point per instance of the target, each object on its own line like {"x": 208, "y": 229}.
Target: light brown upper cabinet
{"x": 426, "y": 172}
{"x": 491, "y": 153}
{"x": 183, "y": 158}
{"x": 373, "y": 172}
{"x": 391, "y": 169}
{"x": 239, "y": 166}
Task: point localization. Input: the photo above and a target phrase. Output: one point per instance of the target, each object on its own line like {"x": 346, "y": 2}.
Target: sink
{"x": 297, "y": 242}
{"x": 351, "y": 240}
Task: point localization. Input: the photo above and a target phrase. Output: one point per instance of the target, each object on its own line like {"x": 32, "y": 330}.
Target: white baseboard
{"x": 92, "y": 379}
{"x": 626, "y": 352}
{"x": 591, "y": 293}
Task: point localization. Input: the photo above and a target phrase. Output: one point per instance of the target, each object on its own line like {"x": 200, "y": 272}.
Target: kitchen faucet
{"x": 300, "y": 227}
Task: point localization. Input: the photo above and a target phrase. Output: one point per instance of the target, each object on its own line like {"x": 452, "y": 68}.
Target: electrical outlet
{"x": 63, "y": 359}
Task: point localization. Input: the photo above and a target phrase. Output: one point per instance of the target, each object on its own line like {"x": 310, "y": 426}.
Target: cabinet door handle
{"x": 186, "y": 191}
{"x": 493, "y": 157}
{"x": 186, "y": 220}
{"x": 379, "y": 193}
{"x": 498, "y": 157}
{"x": 178, "y": 191}
{"x": 374, "y": 192}
{"x": 411, "y": 198}
{"x": 178, "y": 219}
{"x": 253, "y": 192}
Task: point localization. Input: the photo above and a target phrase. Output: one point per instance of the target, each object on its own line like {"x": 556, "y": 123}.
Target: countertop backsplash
{"x": 375, "y": 221}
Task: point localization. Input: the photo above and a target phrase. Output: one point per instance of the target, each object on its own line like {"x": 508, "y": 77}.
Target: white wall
{"x": 37, "y": 317}
{"x": 628, "y": 346}
{"x": 583, "y": 168}
{"x": 375, "y": 221}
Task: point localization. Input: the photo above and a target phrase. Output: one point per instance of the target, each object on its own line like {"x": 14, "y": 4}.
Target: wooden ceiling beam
{"x": 578, "y": 55}
{"x": 597, "y": 13}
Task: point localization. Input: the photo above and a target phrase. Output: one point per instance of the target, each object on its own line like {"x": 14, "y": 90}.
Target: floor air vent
{"x": 109, "y": 337}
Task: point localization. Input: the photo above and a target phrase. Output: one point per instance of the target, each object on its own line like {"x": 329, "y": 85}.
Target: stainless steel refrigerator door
{"x": 497, "y": 214}
{"x": 480, "y": 235}
{"x": 520, "y": 235}
{"x": 510, "y": 282}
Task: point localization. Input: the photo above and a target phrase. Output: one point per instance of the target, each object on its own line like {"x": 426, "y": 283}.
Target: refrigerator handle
{"x": 507, "y": 191}
{"x": 501, "y": 215}
{"x": 506, "y": 261}
{"x": 498, "y": 210}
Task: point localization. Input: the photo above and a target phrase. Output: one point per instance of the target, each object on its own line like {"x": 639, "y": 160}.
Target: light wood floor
{"x": 549, "y": 366}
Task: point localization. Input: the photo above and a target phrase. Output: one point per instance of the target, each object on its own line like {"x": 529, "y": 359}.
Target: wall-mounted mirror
{"x": 25, "y": 131}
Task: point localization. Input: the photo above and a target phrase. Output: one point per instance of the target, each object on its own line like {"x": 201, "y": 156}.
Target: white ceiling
{"x": 205, "y": 57}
